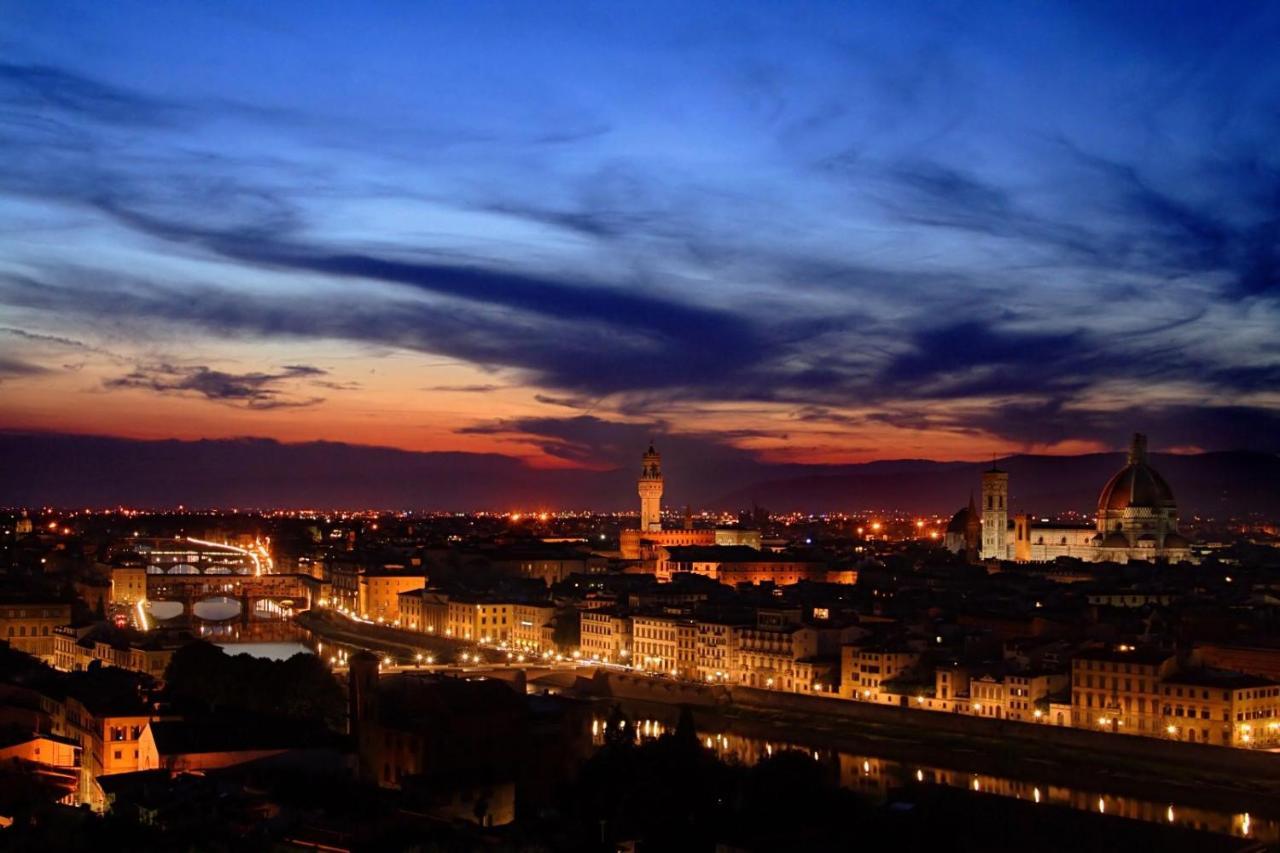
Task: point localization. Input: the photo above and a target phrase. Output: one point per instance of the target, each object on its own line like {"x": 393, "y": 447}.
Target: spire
{"x": 1138, "y": 449}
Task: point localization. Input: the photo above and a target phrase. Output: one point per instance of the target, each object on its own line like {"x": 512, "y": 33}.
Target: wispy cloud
{"x": 248, "y": 390}
{"x": 892, "y": 221}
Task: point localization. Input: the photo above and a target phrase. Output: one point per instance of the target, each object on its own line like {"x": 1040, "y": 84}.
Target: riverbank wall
{"x": 1255, "y": 765}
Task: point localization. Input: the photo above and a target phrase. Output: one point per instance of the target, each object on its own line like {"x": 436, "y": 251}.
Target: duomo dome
{"x": 1137, "y": 484}
{"x": 1136, "y": 508}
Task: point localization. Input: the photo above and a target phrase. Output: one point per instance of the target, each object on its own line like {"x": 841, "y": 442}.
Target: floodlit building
{"x": 863, "y": 669}
{"x": 1136, "y": 519}
{"x": 380, "y": 588}
{"x": 1220, "y": 707}
{"x": 735, "y": 564}
{"x": 1119, "y": 689}
{"x": 31, "y": 625}
{"x": 644, "y": 542}
{"x": 128, "y": 585}
{"x": 605, "y": 635}
{"x": 532, "y": 626}
{"x": 782, "y": 657}
{"x": 665, "y": 643}
{"x": 75, "y": 649}
{"x": 715, "y": 649}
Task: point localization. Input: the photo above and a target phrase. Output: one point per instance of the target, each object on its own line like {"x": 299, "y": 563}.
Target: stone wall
{"x": 1252, "y": 763}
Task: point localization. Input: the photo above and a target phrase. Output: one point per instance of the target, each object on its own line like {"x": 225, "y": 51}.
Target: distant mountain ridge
{"x": 98, "y": 471}
{"x": 1215, "y": 483}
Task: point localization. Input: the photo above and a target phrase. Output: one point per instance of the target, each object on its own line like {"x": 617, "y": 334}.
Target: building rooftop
{"x": 728, "y": 554}
{"x": 1125, "y": 654}
{"x": 1220, "y": 678}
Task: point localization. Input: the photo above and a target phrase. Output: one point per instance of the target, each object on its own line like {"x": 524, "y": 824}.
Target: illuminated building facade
{"x": 645, "y": 542}
{"x": 780, "y": 658}
{"x": 715, "y": 650}
{"x": 1118, "y": 689}
{"x": 1222, "y": 708}
{"x": 1136, "y": 519}
{"x": 605, "y": 635}
{"x": 380, "y": 589}
{"x": 665, "y": 643}
{"x": 410, "y": 607}
{"x": 735, "y": 564}
{"x": 31, "y": 626}
{"x": 532, "y": 626}
{"x": 73, "y": 653}
{"x": 863, "y": 669}
{"x": 995, "y": 514}
{"x": 109, "y": 738}
{"x": 128, "y": 585}
{"x": 650, "y": 490}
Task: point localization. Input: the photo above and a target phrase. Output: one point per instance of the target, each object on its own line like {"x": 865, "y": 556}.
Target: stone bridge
{"x": 219, "y": 597}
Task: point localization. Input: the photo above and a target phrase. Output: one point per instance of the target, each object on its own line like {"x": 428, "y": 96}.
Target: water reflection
{"x": 269, "y": 651}
{"x": 276, "y": 640}
{"x": 875, "y": 777}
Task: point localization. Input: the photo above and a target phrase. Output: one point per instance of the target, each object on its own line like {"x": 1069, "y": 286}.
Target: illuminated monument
{"x": 1137, "y": 519}
{"x": 645, "y": 542}
{"x": 995, "y": 512}
{"x": 650, "y": 487}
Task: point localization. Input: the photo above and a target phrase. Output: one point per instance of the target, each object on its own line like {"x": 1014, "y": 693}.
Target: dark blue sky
{"x": 809, "y": 232}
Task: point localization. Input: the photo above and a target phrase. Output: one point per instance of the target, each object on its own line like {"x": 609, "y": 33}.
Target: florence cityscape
{"x": 717, "y": 427}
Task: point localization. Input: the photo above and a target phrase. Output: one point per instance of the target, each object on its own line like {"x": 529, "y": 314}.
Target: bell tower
{"x": 650, "y": 489}
{"x": 995, "y": 514}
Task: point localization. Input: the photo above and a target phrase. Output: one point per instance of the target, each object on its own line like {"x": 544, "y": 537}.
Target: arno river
{"x": 876, "y": 776}
{"x": 873, "y": 775}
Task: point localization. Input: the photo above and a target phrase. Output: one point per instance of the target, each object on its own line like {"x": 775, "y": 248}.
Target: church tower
{"x": 650, "y": 488}
{"x": 995, "y": 514}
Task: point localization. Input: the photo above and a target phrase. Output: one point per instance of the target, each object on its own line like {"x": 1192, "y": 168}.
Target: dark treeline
{"x": 202, "y": 675}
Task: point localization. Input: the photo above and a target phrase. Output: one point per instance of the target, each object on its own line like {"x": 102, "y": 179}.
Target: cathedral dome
{"x": 959, "y": 521}
{"x": 1137, "y": 484}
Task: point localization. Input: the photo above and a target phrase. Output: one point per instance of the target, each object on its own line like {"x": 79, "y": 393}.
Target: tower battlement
{"x": 650, "y": 486}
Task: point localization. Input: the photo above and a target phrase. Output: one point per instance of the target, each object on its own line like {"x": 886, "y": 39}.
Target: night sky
{"x": 820, "y": 233}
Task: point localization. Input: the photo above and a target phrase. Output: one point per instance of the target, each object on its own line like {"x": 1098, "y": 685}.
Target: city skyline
{"x": 549, "y": 234}
{"x": 603, "y": 427}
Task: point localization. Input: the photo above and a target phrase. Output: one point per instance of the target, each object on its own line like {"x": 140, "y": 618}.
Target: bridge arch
{"x": 217, "y": 608}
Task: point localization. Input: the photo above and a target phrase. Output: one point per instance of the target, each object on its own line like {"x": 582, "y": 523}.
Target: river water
{"x": 876, "y": 776}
